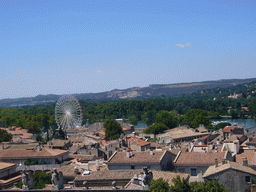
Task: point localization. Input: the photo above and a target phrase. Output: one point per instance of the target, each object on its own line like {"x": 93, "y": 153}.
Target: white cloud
{"x": 183, "y": 45}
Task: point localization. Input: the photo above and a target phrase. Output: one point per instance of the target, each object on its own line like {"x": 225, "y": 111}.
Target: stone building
{"x": 19, "y": 156}
{"x": 154, "y": 160}
{"x": 196, "y": 163}
{"x": 138, "y": 144}
{"x": 234, "y": 176}
{"x": 8, "y": 174}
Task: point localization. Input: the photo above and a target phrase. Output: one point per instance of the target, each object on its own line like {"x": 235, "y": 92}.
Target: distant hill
{"x": 135, "y": 92}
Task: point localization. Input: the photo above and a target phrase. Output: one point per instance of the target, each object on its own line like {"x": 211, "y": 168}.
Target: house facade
{"x": 234, "y": 176}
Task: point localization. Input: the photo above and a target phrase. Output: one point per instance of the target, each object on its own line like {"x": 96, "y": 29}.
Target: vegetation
{"x": 181, "y": 185}
{"x": 40, "y": 180}
{"x": 221, "y": 125}
{"x": 207, "y": 186}
{"x": 194, "y": 109}
{"x": 4, "y": 136}
{"x": 159, "y": 185}
{"x": 113, "y": 130}
{"x": 156, "y": 128}
{"x": 166, "y": 118}
{"x": 34, "y": 162}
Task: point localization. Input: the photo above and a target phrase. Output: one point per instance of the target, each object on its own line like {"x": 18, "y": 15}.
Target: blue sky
{"x": 82, "y": 46}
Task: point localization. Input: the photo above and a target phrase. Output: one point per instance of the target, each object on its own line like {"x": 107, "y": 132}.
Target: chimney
{"x": 135, "y": 180}
{"x": 128, "y": 154}
{"x": 76, "y": 171}
{"x": 151, "y": 152}
{"x": 245, "y": 161}
{"x": 216, "y": 162}
{"x": 39, "y": 147}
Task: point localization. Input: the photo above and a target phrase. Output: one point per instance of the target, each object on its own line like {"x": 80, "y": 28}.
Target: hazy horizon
{"x": 66, "y": 47}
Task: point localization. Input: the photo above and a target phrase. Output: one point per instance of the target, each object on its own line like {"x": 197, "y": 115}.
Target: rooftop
{"x": 140, "y": 142}
{"x": 229, "y": 165}
{"x": 199, "y": 158}
{"x": 228, "y": 128}
{"x": 31, "y": 153}
{"x": 137, "y": 157}
{"x": 249, "y": 154}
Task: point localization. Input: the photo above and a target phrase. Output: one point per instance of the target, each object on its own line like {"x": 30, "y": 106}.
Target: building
{"x": 138, "y": 144}
{"x": 234, "y": 176}
{"x": 230, "y": 130}
{"x": 154, "y": 160}
{"x": 124, "y": 178}
{"x": 8, "y": 174}
{"x": 19, "y": 156}
{"x": 196, "y": 163}
{"x": 59, "y": 144}
{"x": 180, "y": 134}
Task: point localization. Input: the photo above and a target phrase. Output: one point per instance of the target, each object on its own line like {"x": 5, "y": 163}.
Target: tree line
{"x": 194, "y": 109}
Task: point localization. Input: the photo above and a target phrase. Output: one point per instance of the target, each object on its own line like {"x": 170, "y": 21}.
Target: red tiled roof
{"x": 4, "y": 165}
{"x": 137, "y": 157}
{"x": 199, "y": 158}
{"x": 249, "y": 154}
{"x": 203, "y": 138}
{"x": 104, "y": 142}
{"x": 140, "y": 142}
{"x": 25, "y": 153}
{"x": 228, "y": 128}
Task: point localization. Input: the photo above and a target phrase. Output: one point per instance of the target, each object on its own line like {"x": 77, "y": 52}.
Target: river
{"x": 247, "y": 123}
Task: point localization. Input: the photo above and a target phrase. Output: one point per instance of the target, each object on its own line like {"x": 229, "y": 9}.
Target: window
{"x": 182, "y": 170}
{"x": 248, "y": 179}
{"x": 193, "y": 172}
{"x": 132, "y": 167}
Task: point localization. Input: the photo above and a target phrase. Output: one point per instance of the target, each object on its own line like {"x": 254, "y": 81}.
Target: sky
{"x": 91, "y": 46}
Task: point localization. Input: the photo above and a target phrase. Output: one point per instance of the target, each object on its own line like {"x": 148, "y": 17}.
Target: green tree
{"x": 149, "y": 117}
{"x": 221, "y": 126}
{"x": 5, "y": 136}
{"x": 113, "y": 130}
{"x": 169, "y": 119}
{"x": 159, "y": 185}
{"x": 133, "y": 120}
{"x": 197, "y": 116}
{"x": 33, "y": 127}
{"x": 180, "y": 185}
{"x": 207, "y": 186}
{"x": 234, "y": 114}
{"x": 252, "y": 107}
{"x": 41, "y": 179}
{"x": 156, "y": 128}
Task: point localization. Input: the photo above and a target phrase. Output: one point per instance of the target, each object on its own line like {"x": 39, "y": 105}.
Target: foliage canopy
{"x": 113, "y": 129}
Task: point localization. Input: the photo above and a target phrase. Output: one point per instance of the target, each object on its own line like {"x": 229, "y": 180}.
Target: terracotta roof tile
{"x": 109, "y": 175}
{"x": 249, "y": 154}
{"x": 4, "y": 165}
{"x": 228, "y": 128}
{"x": 137, "y": 157}
{"x": 199, "y": 158}
{"x": 31, "y": 153}
{"x": 140, "y": 142}
{"x": 229, "y": 165}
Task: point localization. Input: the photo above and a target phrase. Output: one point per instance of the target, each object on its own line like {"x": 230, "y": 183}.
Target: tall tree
{"x": 113, "y": 130}
{"x": 159, "y": 185}
{"x": 167, "y": 118}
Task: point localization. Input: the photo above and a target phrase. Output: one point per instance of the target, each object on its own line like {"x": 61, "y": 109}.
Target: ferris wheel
{"x": 68, "y": 112}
